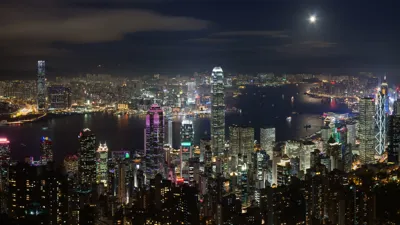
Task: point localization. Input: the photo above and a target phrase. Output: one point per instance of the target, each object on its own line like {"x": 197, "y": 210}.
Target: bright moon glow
{"x": 312, "y": 19}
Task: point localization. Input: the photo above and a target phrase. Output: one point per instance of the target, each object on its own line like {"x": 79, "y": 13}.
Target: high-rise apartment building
{"x": 37, "y": 194}
{"x": 217, "y": 111}
{"x": 87, "y": 159}
{"x": 366, "y": 130}
{"x": 154, "y": 142}
{"x": 267, "y": 139}
{"x": 46, "y": 150}
{"x": 41, "y": 86}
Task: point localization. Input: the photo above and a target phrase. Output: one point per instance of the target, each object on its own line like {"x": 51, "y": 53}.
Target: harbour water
{"x": 268, "y": 106}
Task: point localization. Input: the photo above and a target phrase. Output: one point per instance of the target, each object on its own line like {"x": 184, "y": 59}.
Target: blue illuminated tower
{"x": 381, "y": 117}
{"x": 41, "y": 86}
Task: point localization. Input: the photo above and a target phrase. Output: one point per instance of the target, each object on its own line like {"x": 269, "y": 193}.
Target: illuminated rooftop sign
{"x": 186, "y": 144}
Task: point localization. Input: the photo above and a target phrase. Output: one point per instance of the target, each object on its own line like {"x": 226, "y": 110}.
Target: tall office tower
{"x": 41, "y": 86}
{"x": 191, "y": 92}
{"x": 267, "y": 139}
{"x": 187, "y": 135}
{"x": 351, "y": 133}
{"x": 170, "y": 133}
{"x": 241, "y": 144}
{"x": 380, "y": 119}
{"x": 87, "y": 159}
{"x": 46, "y": 150}
{"x": 154, "y": 142}
{"x": 102, "y": 164}
{"x": 283, "y": 171}
{"x": 59, "y": 97}
{"x": 5, "y": 159}
{"x": 203, "y": 144}
{"x": 217, "y": 111}
{"x": 394, "y": 139}
{"x": 366, "y": 130}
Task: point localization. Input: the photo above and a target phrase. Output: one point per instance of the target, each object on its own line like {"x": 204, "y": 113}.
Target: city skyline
{"x": 178, "y": 37}
{"x": 202, "y": 112}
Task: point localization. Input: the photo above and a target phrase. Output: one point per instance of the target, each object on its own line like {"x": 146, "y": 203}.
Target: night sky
{"x": 135, "y": 37}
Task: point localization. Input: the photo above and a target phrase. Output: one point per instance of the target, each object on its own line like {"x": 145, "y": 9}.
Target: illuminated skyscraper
{"x": 241, "y": 145}
{"x": 366, "y": 131}
{"x": 380, "y": 118}
{"x": 217, "y": 111}
{"x": 87, "y": 159}
{"x": 170, "y": 133}
{"x": 394, "y": 139}
{"x": 41, "y": 86}
{"x": 154, "y": 142}
{"x": 187, "y": 135}
{"x": 102, "y": 164}
{"x": 191, "y": 92}
{"x": 4, "y": 172}
{"x": 267, "y": 139}
{"x": 46, "y": 150}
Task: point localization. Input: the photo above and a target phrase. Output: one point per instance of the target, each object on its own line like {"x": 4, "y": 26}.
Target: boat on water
{"x": 45, "y": 128}
{"x": 292, "y": 99}
{"x": 289, "y": 118}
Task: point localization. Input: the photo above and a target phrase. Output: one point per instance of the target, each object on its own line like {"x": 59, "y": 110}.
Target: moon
{"x": 312, "y": 19}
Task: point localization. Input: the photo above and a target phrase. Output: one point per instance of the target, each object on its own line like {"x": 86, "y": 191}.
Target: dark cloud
{"x": 308, "y": 48}
{"x": 210, "y": 40}
{"x": 263, "y": 33}
{"x": 33, "y": 27}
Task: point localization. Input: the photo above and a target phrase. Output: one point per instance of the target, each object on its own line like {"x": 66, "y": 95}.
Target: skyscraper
{"x": 87, "y": 159}
{"x": 217, "y": 111}
{"x": 5, "y": 159}
{"x": 154, "y": 142}
{"x": 187, "y": 135}
{"x": 241, "y": 145}
{"x": 380, "y": 118}
{"x": 191, "y": 92}
{"x": 46, "y": 150}
{"x": 267, "y": 139}
{"x": 41, "y": 86}
{"x": 102, "y": 164}
{"x": 394, "y": 139}
{"x": 366, "y": 130}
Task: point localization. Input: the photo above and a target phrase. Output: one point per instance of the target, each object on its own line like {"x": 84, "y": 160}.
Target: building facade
{"x": 366, "y": 130}
{"x": 87, "y": 159}
{"x": 154, "y": 142}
